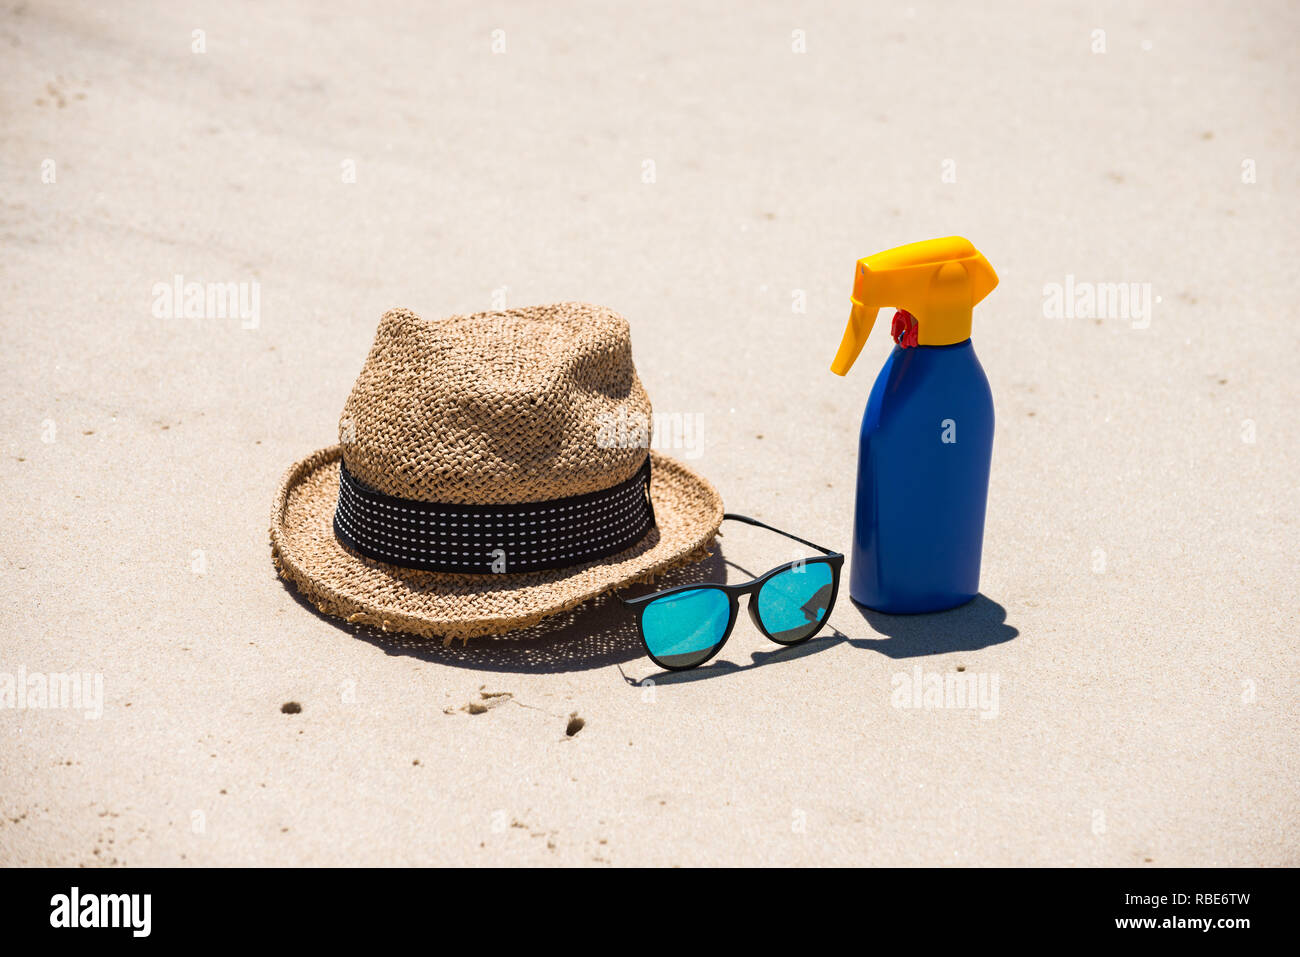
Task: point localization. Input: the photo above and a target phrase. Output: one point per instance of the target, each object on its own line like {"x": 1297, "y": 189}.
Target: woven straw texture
{"x": 496, "y": 407}
{"x": 501, "y": 407}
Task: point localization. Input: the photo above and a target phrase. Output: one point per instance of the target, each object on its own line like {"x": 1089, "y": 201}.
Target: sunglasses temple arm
{"x": 753, "y": 521}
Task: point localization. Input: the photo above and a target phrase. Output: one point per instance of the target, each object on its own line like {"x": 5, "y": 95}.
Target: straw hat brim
{"x": 688, "y": 511}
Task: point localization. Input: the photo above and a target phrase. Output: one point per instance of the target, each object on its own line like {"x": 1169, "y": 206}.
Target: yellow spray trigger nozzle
{"x": 861, "y": 320}
{"x": 938, "y": 281}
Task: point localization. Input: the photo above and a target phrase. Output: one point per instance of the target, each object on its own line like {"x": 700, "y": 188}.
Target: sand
{"x": 697, "y": 173}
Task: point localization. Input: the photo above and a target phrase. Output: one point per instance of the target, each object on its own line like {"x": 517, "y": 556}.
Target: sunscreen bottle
{"x": 927, "y": 435}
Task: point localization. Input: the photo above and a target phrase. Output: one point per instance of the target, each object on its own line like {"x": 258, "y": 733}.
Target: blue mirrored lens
{"x": 682, "y": 629}
{"x": 793, "y": 604}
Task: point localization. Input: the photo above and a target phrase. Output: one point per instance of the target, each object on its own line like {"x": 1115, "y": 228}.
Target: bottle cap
{"x": 938, "y": 281}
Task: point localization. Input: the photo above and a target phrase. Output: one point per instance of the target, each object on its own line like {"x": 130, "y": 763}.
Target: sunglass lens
{"x": 682, "y": 629}
{"x": 793, "y": 604}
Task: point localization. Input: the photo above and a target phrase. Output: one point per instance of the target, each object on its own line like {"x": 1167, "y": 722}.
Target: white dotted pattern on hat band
{"x": 623, "y": 519}
{"x": 410, "y": 527}
{"x": 365, "y": 529}
{"x": 401, "y": 555}
{"x": 605, "y": 516}
{"x": 371, "y": 525}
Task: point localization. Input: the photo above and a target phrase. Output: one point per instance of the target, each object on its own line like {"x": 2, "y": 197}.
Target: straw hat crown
{"x": 497, "y": 407}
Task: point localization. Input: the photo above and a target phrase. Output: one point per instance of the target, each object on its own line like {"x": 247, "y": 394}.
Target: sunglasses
{"x": 684, "y": 627}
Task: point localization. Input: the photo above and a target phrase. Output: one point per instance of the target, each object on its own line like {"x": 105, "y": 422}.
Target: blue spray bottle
{"x": 927, "y": 435}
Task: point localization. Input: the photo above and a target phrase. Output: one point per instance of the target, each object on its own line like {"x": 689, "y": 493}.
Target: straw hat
{"x": 493, "y": 471}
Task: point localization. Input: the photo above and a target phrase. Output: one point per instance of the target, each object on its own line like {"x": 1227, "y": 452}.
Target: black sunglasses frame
{"x": 734, "y": 592}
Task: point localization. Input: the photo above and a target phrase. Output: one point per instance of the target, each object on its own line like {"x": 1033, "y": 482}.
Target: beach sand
{"x": 700, "y": 174}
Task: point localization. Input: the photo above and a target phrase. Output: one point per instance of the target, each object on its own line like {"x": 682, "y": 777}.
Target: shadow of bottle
{"x": 979, "y": 623}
